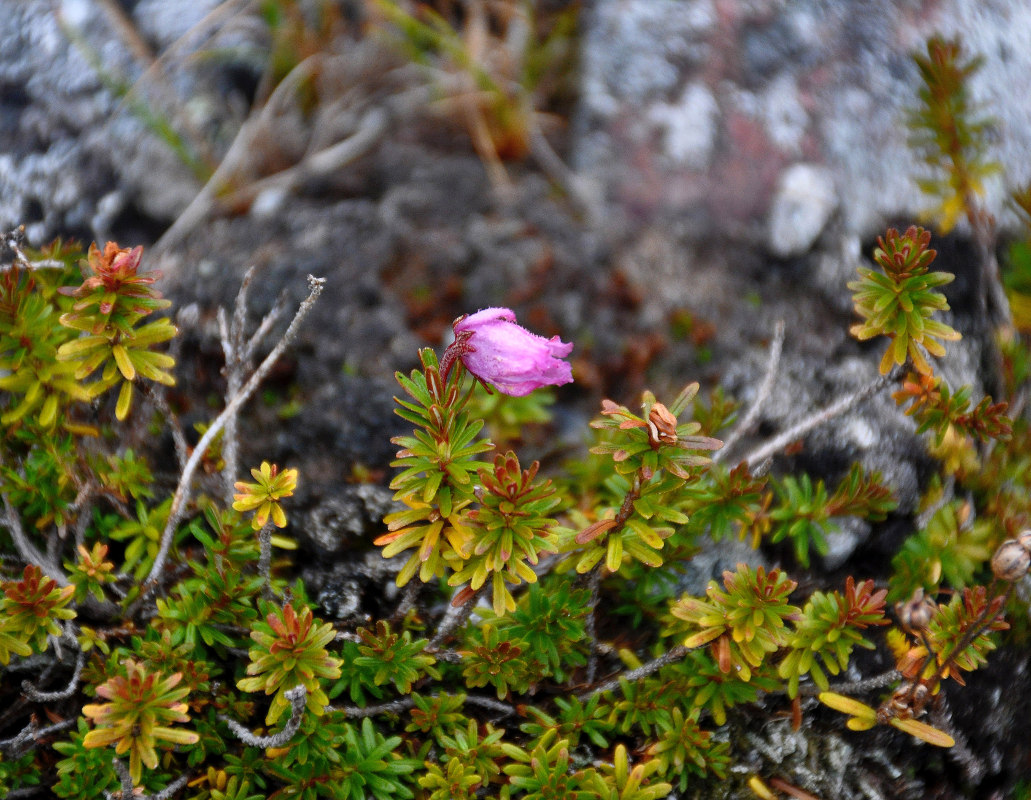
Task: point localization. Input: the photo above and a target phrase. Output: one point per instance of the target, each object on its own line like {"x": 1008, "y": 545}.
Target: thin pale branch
{"x": 835, "y": 409}
{"x": 491, "y": 704}
{"x": 37, "y": 696}
{"x": 325, "y": 162}
{"x": 395, "y": 707}
{"x": 765, "y": 389}
{"x": 453, "y": 619}
{"x": 160, "y": 402}
{"x": 29, "y": 737}
{"x": 13, "y": 241}
{"x": 25, "y": 548}
{"x": 298, "y": 697}
{"x": 236, "y": 364}
{"x": 124, "y": 777}
{"x": 265, "y": 558}
{"x": 171, "y": 789}
{"x": 594, "y": 585}
{"x": 182, "y": 492}
{"x": 567, "y": 180}
{"x": 235, "y": 158}
{"x": 870, "y": 684}
{"x": 408, "y": 600}
{"x": 671, "y": 656}
{"x": 270, "y": 319}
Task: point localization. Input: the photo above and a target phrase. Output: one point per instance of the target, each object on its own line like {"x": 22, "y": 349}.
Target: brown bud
{"x": 1011, "y": 561}
{"x": 1024, "y": 537}
{"x": 916, "y": 612}
{"x": 662, "y": 426}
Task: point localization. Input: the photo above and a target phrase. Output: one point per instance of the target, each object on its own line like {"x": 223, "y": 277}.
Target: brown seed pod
{"x": 1011, "y": 561}
{"x": 916, "y": 612}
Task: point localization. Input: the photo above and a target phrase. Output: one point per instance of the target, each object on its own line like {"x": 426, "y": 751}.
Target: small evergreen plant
{"x": 170, "y": 637}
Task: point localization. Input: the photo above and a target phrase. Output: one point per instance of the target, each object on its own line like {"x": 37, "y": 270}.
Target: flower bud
{"x": 915, "y": 614}
{"x": 662, "y": 426}
{"x": 1024, "y": 537}
{"x": 1011, "y": 561}
{"x": 506, "y": 355}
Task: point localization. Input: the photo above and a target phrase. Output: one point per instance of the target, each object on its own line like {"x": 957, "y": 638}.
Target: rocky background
{"x": 699, "y": 170}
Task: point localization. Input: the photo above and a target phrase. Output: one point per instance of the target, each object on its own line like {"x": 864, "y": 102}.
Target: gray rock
{"x": 346, "y": 520}
{"x": 802, "y": 205}
{"x": 690, "y": 125}
{"x": 81, "y": 113}
{"x": 826, "y": 83}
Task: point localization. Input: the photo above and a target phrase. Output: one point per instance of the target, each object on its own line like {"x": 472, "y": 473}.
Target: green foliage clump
{"x": 109, "y": 306}
{"x": 899, "y": 302}
{"x": 141, "y": 706}
{"x": 805, "y": 511}
{"x": 394, "y": 657}
{"x": 509, "y": 529}
{"x": 31, "y": 609}
{"x": 290, "y": 651}
{"x": 747, "y": 620}
{"x": 949, "y": 136}
{"x": 828, "y": 630}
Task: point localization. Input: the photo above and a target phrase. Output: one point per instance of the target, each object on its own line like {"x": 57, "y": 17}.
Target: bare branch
{"x": 265, "y": 558}
{"x": 157, "y": 397}
{"x": 594, "y": 585}
{"x": 395, "y": 707}
{"x": 25, "y": 548}
{"x": 235, "y": 158}
{"x": 491, "y": 704}
{"x": 270, "y": 319}
{"x": 124, "y": 777}
{"x": 37, "y": 696}
{"x": 835, "y": 409}
{"x": 236, "y": 364}
{"x": 169, "y": 790}
{"x": 182, "y": 492}
{"x": 29, "y": 737}
{"x": 856, "y": 687}
{"x": 408, "y": 600}
{"x": 765, "y": 388}
{"x": 671, "y": 656}
{"x": 298, "y": 697}
{"x": 568, "y": 181}
{"x": 454, "y": 618}
{"x": 13, "y": 240}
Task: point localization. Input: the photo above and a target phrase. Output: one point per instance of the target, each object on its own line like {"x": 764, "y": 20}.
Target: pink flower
{"x": 506, "y": 355}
